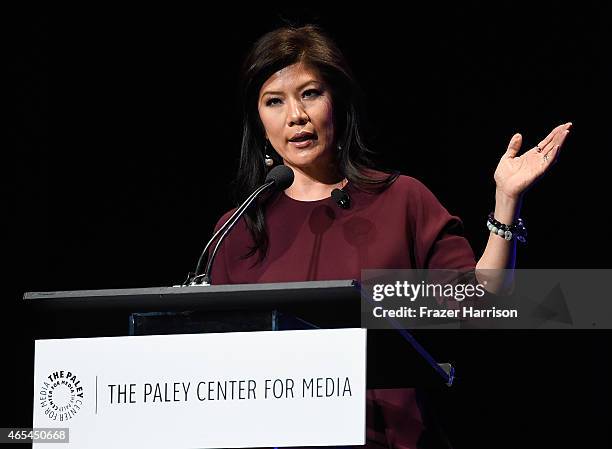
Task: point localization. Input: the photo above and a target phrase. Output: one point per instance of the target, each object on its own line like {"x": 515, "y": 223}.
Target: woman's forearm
{"x": 497, "y": 262}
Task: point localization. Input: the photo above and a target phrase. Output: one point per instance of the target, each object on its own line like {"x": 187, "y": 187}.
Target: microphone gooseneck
{"x": 279, "y": 178}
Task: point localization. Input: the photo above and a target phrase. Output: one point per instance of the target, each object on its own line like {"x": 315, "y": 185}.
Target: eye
{"x": 273, "y": 101}
{"x": 311, "y": 93}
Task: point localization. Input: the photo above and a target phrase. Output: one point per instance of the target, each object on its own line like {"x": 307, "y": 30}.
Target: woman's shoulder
{"x": 409, "y": 192}
{"x": 414, "y": 187}
{"x": 224, "y": 218}
{"x": 400, "y": 184}
{"x": 408, "y": 183}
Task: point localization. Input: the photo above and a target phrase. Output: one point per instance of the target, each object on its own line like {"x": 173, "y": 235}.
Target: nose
{"x": 297, "y": 115}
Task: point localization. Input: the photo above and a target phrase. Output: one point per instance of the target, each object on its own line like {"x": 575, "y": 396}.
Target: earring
{"x": 268, "y": 160}
{"x": 339, "y": 147}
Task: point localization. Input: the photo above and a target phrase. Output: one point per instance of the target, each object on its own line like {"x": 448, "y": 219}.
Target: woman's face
{"x": 295, "y": 108}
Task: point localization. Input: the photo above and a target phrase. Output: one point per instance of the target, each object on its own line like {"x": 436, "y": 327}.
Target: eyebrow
{"x": 268, "y": 92}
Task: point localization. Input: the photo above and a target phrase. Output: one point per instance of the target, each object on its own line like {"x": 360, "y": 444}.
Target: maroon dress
{"x": 405, "y": 226}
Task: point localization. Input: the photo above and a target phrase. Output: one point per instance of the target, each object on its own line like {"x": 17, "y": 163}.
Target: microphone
{"x": 279, "y": 178}
{"x": 282, "y": 177}
{"x": 342, "y": 199}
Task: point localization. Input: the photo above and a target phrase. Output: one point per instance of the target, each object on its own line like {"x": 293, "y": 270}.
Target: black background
{"x": 123, "y": 137}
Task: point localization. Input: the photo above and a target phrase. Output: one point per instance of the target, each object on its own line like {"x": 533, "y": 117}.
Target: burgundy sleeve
{"x": 439, "y": 240}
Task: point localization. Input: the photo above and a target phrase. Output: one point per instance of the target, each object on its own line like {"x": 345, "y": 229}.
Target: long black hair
{"x": 274, "y": 51}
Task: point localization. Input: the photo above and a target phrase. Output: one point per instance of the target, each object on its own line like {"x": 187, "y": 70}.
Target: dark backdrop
{"x": 124, "y": 134}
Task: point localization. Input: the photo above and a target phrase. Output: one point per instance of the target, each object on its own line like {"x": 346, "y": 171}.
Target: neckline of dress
{"x": 329, "y": 198}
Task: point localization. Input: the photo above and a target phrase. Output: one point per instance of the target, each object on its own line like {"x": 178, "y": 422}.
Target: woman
{"x": 302, "y": 108}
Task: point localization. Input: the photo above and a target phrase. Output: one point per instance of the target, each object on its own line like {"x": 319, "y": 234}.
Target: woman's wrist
{"x": 507, "y": 208}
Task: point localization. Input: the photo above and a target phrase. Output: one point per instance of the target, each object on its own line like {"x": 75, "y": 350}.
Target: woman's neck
{"x": 312, "y": 187}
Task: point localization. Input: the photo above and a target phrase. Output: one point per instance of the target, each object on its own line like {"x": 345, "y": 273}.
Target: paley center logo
{"x": 61, "y": 395}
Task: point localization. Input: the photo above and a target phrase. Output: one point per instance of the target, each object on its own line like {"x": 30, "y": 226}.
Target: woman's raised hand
{"x": 515, "y": 174}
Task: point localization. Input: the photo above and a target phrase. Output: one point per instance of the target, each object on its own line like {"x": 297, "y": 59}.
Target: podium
{"x": 395, "y": 359}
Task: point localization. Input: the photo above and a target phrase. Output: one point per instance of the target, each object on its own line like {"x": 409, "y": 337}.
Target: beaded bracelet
{"x": 515, "y": 230}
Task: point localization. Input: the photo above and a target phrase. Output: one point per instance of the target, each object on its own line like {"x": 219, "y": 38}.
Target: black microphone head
{"x": 282, "y": 177}
{"x": 341, "y": 198}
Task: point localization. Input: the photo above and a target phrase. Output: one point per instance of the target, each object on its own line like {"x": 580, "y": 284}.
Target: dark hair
{"x": 312, "y": 47}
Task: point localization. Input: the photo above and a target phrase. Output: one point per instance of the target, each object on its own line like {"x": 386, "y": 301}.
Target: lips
{"x": 302, "y": 136}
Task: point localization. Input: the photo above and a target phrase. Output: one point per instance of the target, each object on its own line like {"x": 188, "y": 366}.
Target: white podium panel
{"x": 231, "y": 390}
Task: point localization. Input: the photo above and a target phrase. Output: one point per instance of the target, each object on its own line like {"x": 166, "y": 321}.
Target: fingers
{"x": 549, "y": 141}
{"x": 550, "y": 137}
{"x": 550, "y": 153}
{"x": 547, "y": 149}
{"x": 557, "y": 140}
{"x": 514, "y": 146}
{"x": 551, "y": 157}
